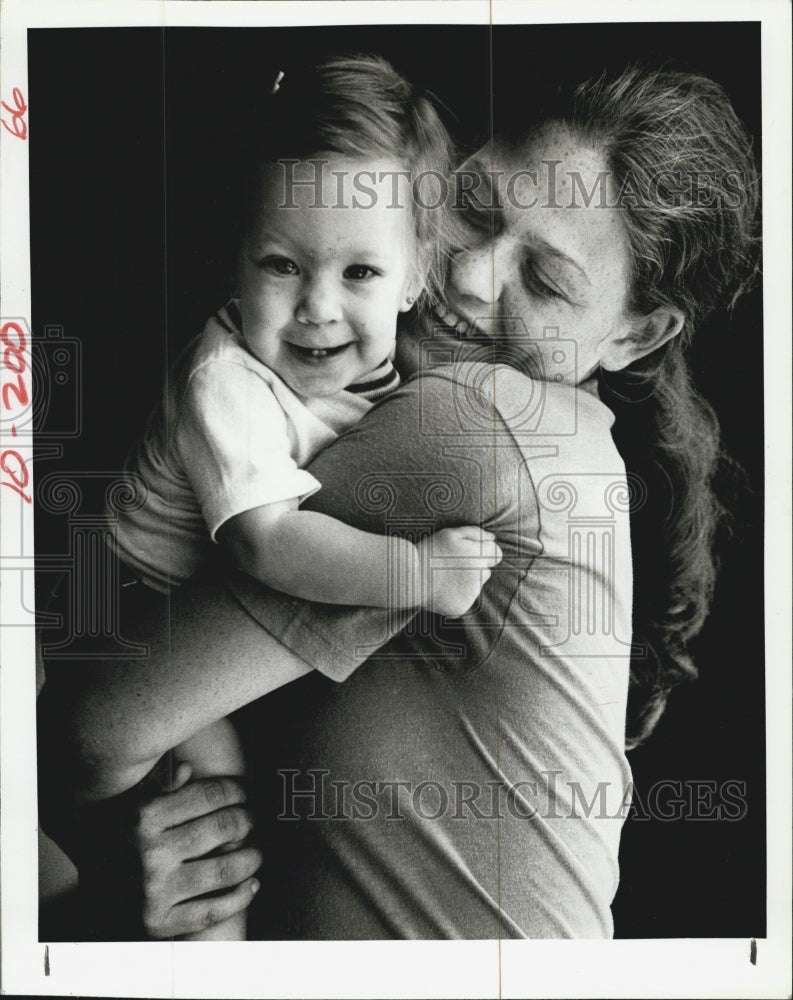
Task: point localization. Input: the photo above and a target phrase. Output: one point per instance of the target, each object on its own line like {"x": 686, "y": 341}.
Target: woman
{"x": 498, "y": 814}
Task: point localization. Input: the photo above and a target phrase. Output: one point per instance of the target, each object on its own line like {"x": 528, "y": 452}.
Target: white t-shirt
{"x": 228, "y": 436}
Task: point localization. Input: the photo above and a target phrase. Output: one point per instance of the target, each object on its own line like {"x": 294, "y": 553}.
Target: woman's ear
{"x": 645, "y": 335}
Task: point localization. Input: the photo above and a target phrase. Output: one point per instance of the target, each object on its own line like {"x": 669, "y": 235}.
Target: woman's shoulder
{"x": 526, "y": 405}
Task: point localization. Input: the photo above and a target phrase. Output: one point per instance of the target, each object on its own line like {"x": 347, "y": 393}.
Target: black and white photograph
{"x": 505, "y": 666}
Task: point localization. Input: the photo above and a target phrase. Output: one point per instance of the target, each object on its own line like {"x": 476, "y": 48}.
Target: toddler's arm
{"x": 318, "y": 558}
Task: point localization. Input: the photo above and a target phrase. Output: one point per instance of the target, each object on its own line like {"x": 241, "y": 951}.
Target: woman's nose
{"x": 319, "y": 301}
{"x": 479, "y": 273}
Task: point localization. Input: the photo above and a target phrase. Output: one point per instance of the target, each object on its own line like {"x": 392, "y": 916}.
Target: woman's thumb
{"x": 179, "y": 777}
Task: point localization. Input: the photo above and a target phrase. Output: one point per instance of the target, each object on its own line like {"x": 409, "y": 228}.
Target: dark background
{"x": 134, "y": 203}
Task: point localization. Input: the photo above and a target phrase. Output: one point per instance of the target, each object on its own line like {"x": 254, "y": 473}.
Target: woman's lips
{"x": 461, "y": 327}
{"x": 452, "y": 320}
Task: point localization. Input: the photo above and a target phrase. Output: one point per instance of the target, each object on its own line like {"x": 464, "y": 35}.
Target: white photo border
{"x": 406, "y": 969}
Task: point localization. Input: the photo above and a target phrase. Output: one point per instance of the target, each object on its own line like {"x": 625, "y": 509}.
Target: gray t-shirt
{"x": 469, "y": 780}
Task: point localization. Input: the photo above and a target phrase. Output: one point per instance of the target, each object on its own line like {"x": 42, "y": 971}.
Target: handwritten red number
{"x": 14, "y": 359}
{"x": 18, "y": 390}
{"x": 21, "y": 340}
{"x": 11, "y": 353}
{"x": 17, "y": 484}
{"x": 14, "y": 349}
{"x": 18, "y": 125}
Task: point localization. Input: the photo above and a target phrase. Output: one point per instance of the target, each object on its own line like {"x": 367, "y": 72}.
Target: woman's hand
{"x": 173, "y": 834}
{"x": 455, "y": 565}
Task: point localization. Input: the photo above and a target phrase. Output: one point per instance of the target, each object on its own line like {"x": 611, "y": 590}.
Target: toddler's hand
{"x": 455, "y": 565}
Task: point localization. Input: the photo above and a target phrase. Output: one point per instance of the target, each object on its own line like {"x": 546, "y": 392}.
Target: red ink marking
{"x": 18, "y": 482}
{"x": 16, "y": 489}
{"x": 18, "y": 390}
{"x": 13, "y": 360}
{"x": 12, "y": 463}
{"x": 20, "y": 128}
{"x": 21, "y": 340}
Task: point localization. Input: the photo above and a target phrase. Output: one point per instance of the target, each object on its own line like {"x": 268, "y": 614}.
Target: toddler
{"x": 335, "y": 248}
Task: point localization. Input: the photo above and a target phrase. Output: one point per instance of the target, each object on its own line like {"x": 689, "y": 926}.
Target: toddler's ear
{"x": 414, "y": 286}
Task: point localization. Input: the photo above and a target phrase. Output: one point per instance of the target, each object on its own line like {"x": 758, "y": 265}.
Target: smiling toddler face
{"x": 323, "y": 282}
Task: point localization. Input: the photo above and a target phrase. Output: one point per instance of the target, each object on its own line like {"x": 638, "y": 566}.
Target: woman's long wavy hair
{"x": 683, "y": 162}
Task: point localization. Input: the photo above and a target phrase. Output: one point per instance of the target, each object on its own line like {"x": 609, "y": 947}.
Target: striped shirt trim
{"x": 379, "y": 383}
{"x": 233, "y": 312}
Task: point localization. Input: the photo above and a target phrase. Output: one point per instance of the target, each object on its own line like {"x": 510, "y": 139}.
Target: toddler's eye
{"x": 360, "y": 272}
{"x": 282, "y": 266}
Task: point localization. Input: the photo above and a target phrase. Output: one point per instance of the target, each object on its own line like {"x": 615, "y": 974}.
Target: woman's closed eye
{"x": 538, "y": 285}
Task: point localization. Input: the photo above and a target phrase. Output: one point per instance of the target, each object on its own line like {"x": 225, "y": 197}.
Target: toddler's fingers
{"x": 480, "y": 539}
{"x": 487, "y": 553}
{"x": 474, "y": 533}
